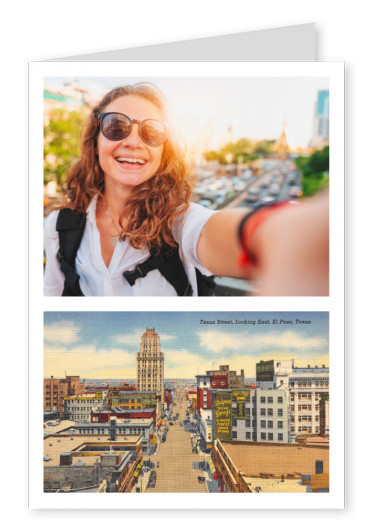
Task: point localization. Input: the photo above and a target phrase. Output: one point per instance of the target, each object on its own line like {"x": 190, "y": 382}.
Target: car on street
{"x": 274, "y": 189}
{"x": 253, "y": 195}
{"x": 268, "y": 199}
{"x": 205, "y": 203}
{"x": 295, "y": 191}
{"x": 152, "y": 480}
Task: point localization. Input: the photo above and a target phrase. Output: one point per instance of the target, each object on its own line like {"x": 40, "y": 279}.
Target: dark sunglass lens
{"x": 153, "y": 132}
{"x": 115, "y": 126}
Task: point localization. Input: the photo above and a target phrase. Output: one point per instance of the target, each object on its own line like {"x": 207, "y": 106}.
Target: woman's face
{"x": 129, "y": 162}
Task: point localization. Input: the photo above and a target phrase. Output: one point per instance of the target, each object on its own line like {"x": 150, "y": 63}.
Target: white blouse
{"x": 98, "y": 280}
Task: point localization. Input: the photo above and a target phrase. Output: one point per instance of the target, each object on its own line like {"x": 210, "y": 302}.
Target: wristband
{"x": 248, "y": 225}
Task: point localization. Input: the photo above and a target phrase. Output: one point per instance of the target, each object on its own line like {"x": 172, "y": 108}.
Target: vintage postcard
{"x": 202, "y": 404}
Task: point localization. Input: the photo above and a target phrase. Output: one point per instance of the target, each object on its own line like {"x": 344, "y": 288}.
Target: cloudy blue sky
{"x": 104, "y": 344}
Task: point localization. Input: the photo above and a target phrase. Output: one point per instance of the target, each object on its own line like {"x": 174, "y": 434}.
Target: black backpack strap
{"x": 205, "y": 284}
{"x": 167, "y": 261}
{"x": 70, "y": 225}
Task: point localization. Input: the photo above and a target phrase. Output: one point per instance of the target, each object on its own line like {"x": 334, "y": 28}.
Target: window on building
{"x": 263, "y": 436}
{"x": 262, "y": 411}
{"x": 280, "y": 436}
{"x": 263, "y": 400}
{"x": 280, "y": 412}
{"x": 280, "y": 400}
{"x": 263, "y": 424}
{"x": 319, "y": 466}
{"x": 234, "y": 435}
{"x": 270, "y": 436}
{"x": 270, "y": 412}
{"x": 247, "y": 423}
{"x": 270, "y": 400}
{"x": 280, "y": 425}
{"x": 270, "y": 424}
{"x": 234, "y": 423}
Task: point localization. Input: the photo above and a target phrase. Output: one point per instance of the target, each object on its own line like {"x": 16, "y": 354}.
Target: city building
{"x": 80, "y": 407}
{"x": 320, "y": 135}
{"x": 79, "y": 463}
{"x": 118, "y": 427}
{"x": 135, "y": 400}
{"x": 68, "y": 97}
{"x": 120, "y": 413}
{"x": 271, "y": 467}
{"x": 52, "y": 427}
{"x": 214, "y": 379}
{"x": 250, "y": 414}
{"x": 56, "y": 389}
{"x": 234, "y": 381}
{"x": 150, "y": 363}
{"x": 281, "y": 146}
{"x": 308, "y": 387}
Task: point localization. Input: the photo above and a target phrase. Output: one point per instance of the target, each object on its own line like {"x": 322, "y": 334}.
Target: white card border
{"x": 334, "y": 304}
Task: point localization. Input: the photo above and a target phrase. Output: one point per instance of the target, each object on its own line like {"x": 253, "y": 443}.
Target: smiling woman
{"x": 127, "y": 227}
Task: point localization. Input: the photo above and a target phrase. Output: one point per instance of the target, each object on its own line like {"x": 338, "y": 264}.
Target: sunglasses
{"x": 117, "y": 126}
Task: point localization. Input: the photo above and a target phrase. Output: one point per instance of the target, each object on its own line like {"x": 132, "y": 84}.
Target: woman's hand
{"x": 292, "y": 250}
{"x": 291, "y": 247}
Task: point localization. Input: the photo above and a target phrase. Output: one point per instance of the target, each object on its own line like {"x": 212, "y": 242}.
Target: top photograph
{"x": 186, "y": 186}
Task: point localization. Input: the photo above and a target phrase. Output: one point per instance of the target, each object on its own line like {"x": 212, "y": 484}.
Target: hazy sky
{"x": 104, "y": 344}
{"x": 203, "y": 109}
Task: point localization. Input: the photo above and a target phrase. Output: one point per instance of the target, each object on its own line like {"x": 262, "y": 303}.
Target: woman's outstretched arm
{"x": 290, "y": 248}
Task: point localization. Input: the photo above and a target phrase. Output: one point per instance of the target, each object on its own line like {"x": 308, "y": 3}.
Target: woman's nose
{"x": 134, "y": 136}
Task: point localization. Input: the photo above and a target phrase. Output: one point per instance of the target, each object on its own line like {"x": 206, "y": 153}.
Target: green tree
{"x": 61, "y": 144}
{"x": 315, "y": 170}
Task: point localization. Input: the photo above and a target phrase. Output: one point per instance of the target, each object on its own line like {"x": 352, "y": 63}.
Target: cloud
{"x": 217, "y": 341}
{"x": 87, "y": 362}
{"x": 64, "y": 332}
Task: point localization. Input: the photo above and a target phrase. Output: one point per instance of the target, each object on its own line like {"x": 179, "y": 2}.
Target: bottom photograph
{"x": 186, "y": 402}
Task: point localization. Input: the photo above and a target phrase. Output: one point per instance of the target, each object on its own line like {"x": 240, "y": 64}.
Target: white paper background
{"x": 38, "y": 30}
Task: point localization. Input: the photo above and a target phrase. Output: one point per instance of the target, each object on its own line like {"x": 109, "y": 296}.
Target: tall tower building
{"x": 150, "y": 363}
{"x": 320, "y": 137}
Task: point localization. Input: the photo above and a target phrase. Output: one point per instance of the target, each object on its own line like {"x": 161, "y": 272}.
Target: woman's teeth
{"x": 130, "y": 161}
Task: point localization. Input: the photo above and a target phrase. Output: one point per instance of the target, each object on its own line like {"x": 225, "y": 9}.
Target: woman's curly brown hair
{"x": 153, "y": 205}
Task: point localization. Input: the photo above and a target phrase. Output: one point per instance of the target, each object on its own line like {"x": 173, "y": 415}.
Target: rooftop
{"x": 55, "y": 445}
{"x": 56, "y": 426}
{"x": 150, "y": 332}
{"x": 253, "y": 459}
{"x": 119, "y": 422}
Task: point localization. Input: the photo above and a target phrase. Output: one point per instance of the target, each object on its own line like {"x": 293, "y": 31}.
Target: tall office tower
{"x": 150, "y": 363}
{"x": 320, "y": 136}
